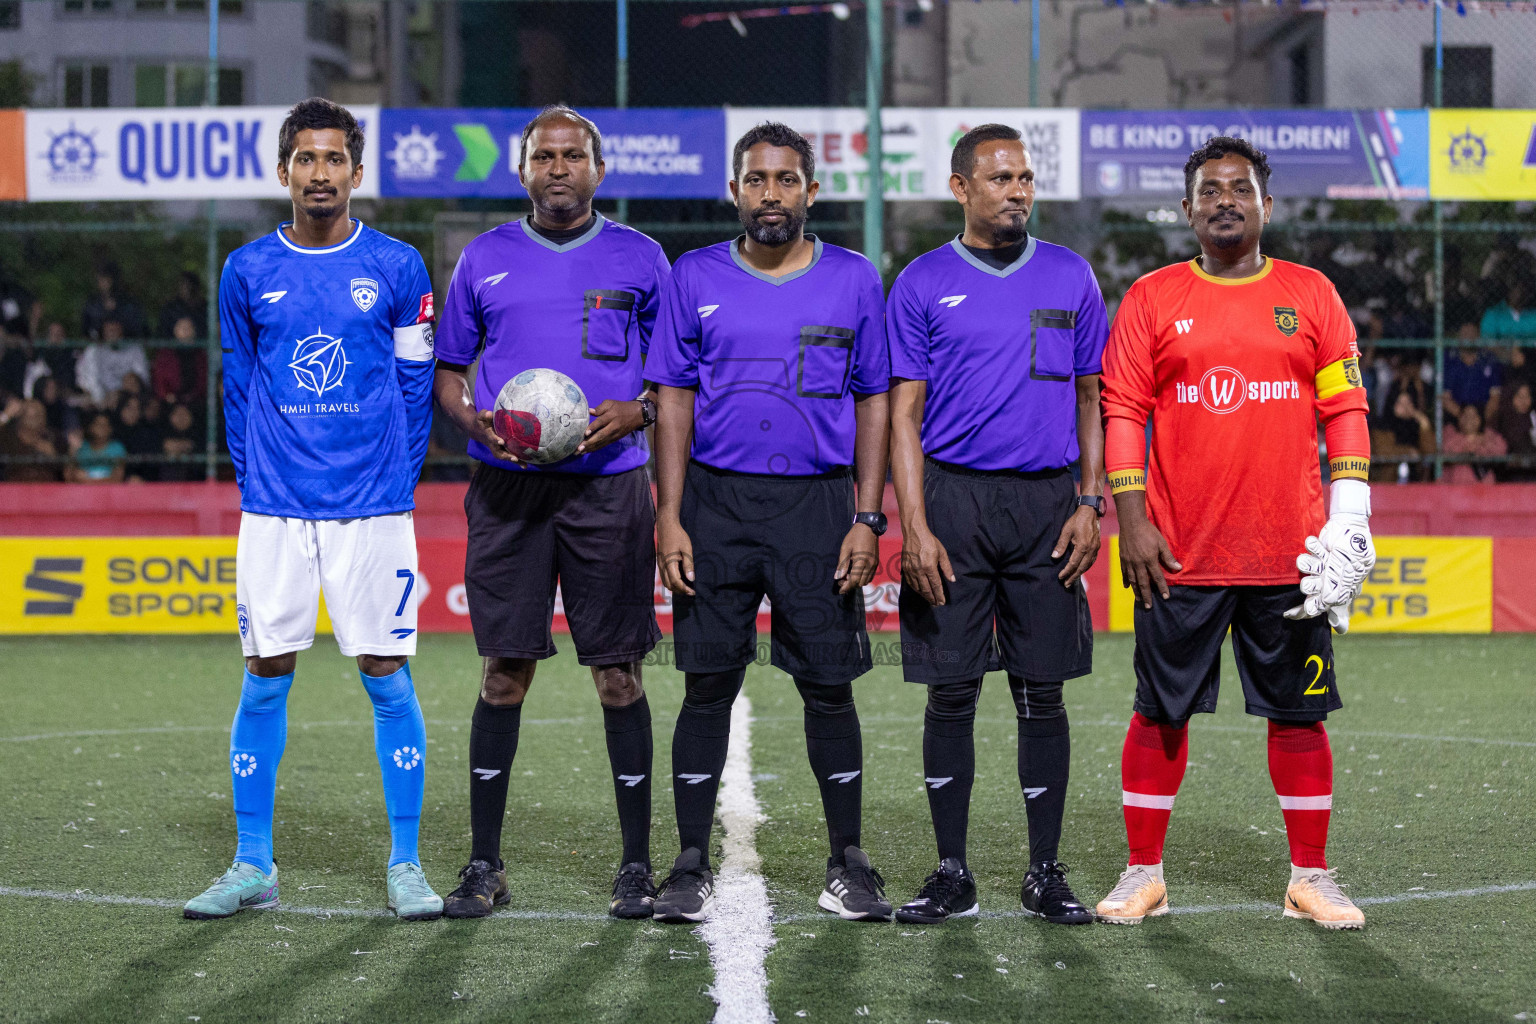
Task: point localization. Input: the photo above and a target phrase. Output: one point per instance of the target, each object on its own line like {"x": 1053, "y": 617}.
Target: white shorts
{"x": 367, "y": 568}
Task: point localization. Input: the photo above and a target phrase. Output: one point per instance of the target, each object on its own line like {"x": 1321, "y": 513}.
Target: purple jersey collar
{"x": 582, "y": 239}
{"x": 741, "y": 262}
{"x": 965, "y": 254}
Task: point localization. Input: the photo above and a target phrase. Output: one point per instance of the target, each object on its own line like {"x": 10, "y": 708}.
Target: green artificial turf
{"x": 114, "y": 783}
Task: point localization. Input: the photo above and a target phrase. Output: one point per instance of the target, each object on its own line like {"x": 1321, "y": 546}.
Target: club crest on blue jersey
{"x": 243, "y": 617}
{"x": 365, "y": 292}
{"x": 319, "y": 363}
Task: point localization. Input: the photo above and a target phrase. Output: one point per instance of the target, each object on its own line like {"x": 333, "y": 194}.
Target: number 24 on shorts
{"x": 1314, "y": 662}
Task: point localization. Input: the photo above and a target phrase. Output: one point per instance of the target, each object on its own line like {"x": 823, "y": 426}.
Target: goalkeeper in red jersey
{"x": 1235, "y": 356}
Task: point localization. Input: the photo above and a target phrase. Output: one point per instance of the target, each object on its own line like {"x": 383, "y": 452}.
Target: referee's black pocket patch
{"x": 826, "y": 362}
{"x": 606, "y": 314}
{"x": 1051, "y": 337}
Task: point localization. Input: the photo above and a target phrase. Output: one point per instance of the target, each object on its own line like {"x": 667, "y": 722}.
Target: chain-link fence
{"x": 1386, "y": 256}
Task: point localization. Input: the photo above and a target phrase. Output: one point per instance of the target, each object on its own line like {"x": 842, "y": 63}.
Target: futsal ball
{"x": 541, "y": 415}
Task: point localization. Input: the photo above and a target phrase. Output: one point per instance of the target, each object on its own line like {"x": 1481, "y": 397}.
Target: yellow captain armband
{"x": 1128, "y": 480}
{"x": 1349, "y": 467}
{"x": 1336, "y": 378}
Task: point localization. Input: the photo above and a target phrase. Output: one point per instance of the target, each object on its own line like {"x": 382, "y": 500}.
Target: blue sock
{"x": 256, "y": 744}
{"x": 400, "y": 740}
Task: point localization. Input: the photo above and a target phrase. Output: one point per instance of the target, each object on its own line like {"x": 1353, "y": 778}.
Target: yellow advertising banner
{"x": 1482, "y": 154}
{"x": 1419, "y": 585}
{"x": 120, "y": 585}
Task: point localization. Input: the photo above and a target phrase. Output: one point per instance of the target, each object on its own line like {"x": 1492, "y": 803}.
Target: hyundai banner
{"x": 647, "y": 153}
{"x": 165, "y": 153}
{"x": 1336, "y": 154}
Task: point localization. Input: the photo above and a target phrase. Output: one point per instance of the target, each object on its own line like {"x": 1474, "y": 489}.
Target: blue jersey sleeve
{"x": 238, "y": 341}
{"x": 413, "y": 321}
{"x": 458, "y": 332}
{"x": 906, "y": 331}
{"x": 872, "y": 361}
{"x": 1092, "y": 328}
{"x": 651, "y": 305}
{"x": 674, "y": 351}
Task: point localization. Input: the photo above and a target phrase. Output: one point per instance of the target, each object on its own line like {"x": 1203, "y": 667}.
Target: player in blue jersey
{"x": 771, "y": 357}
{"x": 567, "y": 289}
{"x": 327, "y": 337}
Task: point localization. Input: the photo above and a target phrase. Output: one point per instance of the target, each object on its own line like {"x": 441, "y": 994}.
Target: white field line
{"x": 1230, "y": 908}
{"x": 740, "y": 929}
{"x": 152, "y": 729}
{"x": 108, "y": 899}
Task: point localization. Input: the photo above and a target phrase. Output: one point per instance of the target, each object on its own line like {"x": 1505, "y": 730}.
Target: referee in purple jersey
{"x": 995, "y": 342}
{"x": 566, "y": 289}
{"x": 771, "y": 359}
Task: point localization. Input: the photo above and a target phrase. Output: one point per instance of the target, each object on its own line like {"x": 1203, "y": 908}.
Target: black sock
{"x": 1045, "y": 755}
{"x": 949, "y": 762}
{"x": 699, "y": 745}
{"x": 629, "y": 755}
{"x": 836, "y": 751}
{"x": 492, "y": 745}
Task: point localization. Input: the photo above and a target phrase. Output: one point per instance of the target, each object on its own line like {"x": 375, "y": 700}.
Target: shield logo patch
{"x": 1286, "y": 320}
{"x": 365, "y": 292}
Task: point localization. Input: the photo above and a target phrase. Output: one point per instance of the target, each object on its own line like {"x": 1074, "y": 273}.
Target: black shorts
{"x": 756, "y": 535}
{"x": 1006, "y": 609}
{"x": 595, "y": 535}
{"x": 1286, "y": 666}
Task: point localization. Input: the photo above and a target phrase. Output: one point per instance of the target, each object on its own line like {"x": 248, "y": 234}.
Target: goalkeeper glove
{"x": 1337, "y": 560}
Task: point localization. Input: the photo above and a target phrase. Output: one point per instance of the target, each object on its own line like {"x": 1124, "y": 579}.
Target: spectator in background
{"x": 1470, "y": 437}
{"x": 1472, "y": 375}
{"x": 62, "y": 420}
{"x": 181, "y": 374}
{"x": 27, "y": 435}
{"x": 108, "y": 304}
{"x": 1517, "y": 426}
{"x": 1404, "y": 432}
{"x": 138, "y": 438}
{"x": 60, "y": 358}
{"x": 103, "y": 365}
{"x": 100, "y": 458}
{"x": 15, "y": 354}
{"x": 180, "y": 439}
{"x": 1462, "y": 302}
{"x": 1512, "y": 318}
{"x": 189, "y": 304}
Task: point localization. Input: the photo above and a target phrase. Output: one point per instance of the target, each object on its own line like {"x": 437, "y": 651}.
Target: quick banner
{"x": 166, "y": 153}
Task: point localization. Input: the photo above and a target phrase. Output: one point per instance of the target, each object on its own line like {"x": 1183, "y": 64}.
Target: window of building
{"x": 87, "y": 6}
{"x": 184, "y": 85}
{"x": 85, "y": 85}
{"x": 1466, "y": 79}
{"x": 1301, "y": 76}
{"x": 10, "y": 14}
{"x": 226, "y": 7}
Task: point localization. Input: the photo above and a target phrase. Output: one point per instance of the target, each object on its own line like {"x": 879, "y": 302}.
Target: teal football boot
{"x": 242, "y": 887}
{"x": 410, "y": 897}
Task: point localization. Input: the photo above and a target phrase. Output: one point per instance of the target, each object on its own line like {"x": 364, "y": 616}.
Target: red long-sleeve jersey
{"x": 1234, "y": 374}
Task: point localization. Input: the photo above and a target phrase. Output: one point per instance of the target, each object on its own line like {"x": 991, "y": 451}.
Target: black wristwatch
{"x": 874, "y": 520}
{"x": 648, "y": 413}
{"x": 1093, "y": 501}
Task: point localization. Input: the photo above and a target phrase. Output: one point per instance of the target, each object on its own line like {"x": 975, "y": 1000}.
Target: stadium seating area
{"x": 130, "y": 398}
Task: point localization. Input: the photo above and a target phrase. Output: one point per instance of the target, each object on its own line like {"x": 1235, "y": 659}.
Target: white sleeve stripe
{"x": 1153, "y": 800}
{"x": 1307, "y": 803}
{"x": 414, "y": 342}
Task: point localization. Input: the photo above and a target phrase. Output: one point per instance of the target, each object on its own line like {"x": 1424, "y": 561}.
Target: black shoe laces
{"x": 864, "y": 881}
{"x": 630, "y": 884}
{"x": 677, "y": 875}
{"x": 1053, "y": 885}
{"x": 474, "y": 879}
{"x": 941, "y": 887}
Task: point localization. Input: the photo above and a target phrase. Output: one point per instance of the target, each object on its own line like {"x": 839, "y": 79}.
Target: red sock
{"x": 1151, "y": 768}
{"x": 1301, "y": 767}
